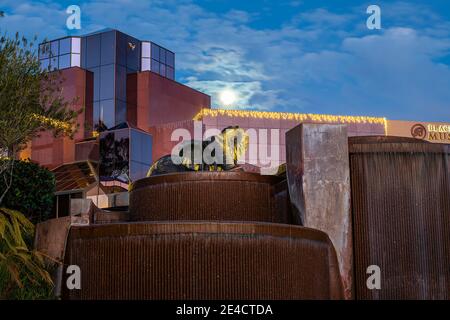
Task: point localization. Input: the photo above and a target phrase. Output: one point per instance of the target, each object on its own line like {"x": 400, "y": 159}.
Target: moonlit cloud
{"x": 317, "y": 59}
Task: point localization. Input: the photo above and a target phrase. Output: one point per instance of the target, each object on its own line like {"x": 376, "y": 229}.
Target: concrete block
{"x": 319, "y": 184}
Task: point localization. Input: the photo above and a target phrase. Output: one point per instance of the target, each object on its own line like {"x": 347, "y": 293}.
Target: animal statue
{"x": 225, "y": 148}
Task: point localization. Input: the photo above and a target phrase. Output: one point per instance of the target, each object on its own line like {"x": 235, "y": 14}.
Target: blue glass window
{"x": 64, "y": 61}
{"x": 155, "y": 52}
{"x": 107, "y": 82}
{"x": 108, "y": 46}
{"x": 170, "y": 73}
{"x": 170, "y": 59}
{"x": 54, "y": 48}
{"x": 93, "y": 51}
{"x": 64, "y": 46}
{"x": 155, "y": 66}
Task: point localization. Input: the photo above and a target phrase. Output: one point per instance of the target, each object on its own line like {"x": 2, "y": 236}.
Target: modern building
{"x": 131, "y": 104}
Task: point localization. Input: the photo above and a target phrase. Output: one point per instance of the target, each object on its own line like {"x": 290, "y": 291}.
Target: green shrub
{"x": 38, "y": 290}
{"x": 31, "y": 192}
{"x": 23, "y": 271}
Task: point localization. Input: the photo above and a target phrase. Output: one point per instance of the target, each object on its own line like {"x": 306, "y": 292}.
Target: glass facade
{"x": 125, "y": 154}
{"x": 111, "y": 56}
{"x": 157, "y": 59}
{"x": 60, "y": 54}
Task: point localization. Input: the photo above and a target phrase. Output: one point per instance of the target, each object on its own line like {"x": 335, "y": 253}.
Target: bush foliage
{"x": 31, "y": 191}
{"x": 23, "y": 271}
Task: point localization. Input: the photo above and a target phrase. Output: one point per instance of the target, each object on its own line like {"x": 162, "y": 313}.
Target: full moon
{"x": 227, "y": 97}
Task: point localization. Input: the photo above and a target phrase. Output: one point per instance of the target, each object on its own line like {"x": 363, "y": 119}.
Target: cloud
{"x": 318, "y": 60}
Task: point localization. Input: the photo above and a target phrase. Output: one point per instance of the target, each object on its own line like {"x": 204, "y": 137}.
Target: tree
{"x": 18, "y": 264}
{"x": 31, "y": 101}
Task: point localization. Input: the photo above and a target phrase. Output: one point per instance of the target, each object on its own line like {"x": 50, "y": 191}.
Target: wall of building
{"x": 435, "y": 132}
{"x": 50, "y": 151}
{"x": 272, "y": 124}
{"x": 161, "y": 100}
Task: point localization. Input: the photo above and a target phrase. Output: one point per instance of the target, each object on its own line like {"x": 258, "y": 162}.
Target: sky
{"x": 286, "y": 55}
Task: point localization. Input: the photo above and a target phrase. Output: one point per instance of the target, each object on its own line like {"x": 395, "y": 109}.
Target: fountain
{"x": 204, "y": 235}
{"x": 401, "y": 216}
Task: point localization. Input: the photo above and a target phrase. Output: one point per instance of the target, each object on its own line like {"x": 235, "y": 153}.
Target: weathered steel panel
{"x": 401, "y": 217}
{"x": 202, "y": 260}
{"x": 229, "y": 196}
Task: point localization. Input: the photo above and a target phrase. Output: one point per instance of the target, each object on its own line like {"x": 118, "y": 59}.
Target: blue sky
{"x": 287, "y": 55}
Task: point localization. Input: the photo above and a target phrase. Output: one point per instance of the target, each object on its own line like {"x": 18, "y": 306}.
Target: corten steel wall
{"x": 232, "y": 196}
{"x": 193, "y": 260}
{"x": 401, "y": 217}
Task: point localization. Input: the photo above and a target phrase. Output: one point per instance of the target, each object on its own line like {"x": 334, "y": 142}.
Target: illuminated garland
{"x": 289, "y": 116}
{"x": 57, "y": 124}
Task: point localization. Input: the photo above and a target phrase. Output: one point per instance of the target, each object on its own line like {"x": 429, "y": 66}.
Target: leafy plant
{"x": 31, "y": 101}
{"x": 19, "y": 265}
{"x": 31, "y": 190}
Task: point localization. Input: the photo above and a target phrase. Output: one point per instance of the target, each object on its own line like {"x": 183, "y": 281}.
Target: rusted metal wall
{"x": 401, "y": 217}
{"x": 201, "y": 260}
{"x": 230, "y": 196}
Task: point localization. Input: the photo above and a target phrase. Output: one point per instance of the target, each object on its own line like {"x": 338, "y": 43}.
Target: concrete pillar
{"x": 318, "y": 173}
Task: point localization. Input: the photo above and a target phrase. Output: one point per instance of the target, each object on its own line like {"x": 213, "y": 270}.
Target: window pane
{"x": 107, "y": 113}
{"x": 162, "y": 69}
{"x": 145, "y": 64}
{"x": 76, "y": 45}
{"x": 170, "y": 73}
{"x": 83, "y": 52}
{"x": 155, "y": 66}
{"x": 44, "y": 50}
{"x": 96, "y": 72}
{"x": 54, "y": 63}
{"x": 121, "y": 112}
{"x": 170, "y": 59}
{"x": 107, "y": 82}
{"x": 146, "y": 49}
{"x": 121, "y": 83}
{"x": 64, "y": 46}
{"x": 76, "y": 60}
{"x": 54, "y": 48}
{"x": 44, "y": 64}
{"x": 96, "y": 115}
{"x": 108, "y": 45}
{"x": 121, "y": 49}
{"x": 133, "y": 53}
{"x": 155, "y": 52}
{"x": 162, "y": 55}
{"x": 93, "y": 51}
{"x": 64, "y": 61}
{"x": 136, "y": 146}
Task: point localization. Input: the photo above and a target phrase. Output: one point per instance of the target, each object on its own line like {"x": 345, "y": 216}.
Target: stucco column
{"x": 318, "y": 175}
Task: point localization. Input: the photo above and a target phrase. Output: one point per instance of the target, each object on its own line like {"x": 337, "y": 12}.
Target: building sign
{"x": 431, "y": 132}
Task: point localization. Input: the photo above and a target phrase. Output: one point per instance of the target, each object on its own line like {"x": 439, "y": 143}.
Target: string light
{"x": 57, "y": 124}
{"x": 324, "y": 118}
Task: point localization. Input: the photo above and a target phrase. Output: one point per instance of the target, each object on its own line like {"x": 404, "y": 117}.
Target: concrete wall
{"x": 318, "y": 175}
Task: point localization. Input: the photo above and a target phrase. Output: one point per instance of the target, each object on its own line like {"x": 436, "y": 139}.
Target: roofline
{"x": 288, "y": 116}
